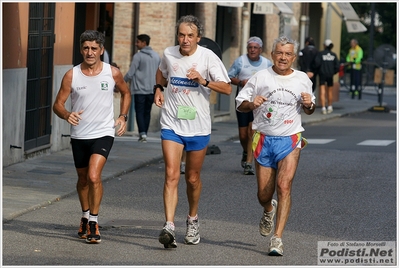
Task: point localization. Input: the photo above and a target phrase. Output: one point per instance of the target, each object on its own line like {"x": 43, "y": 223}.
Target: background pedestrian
{"x": 328, "y": 65}
{"x": 306, "y": 60}
{"x": 354, "y": 58}
{"x": 141, "y": 75}
{"x": 242, "y": 69}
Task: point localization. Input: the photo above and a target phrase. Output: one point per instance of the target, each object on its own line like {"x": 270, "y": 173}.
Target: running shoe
{"x": 276, "y": 246}
{"x": 192, "y": 233}
{"x": 167, "y": 237}
{"x": 93, "y": 234}
{"x": 266, "y": 222}
{"x": 248, "y": 170}
{"x": 243, "y": 159}
{"x": 324, "y": 110}
{"x": 143, "y": 138}
{"x": 82, "y": 233}
{"x": 330, "y": 109}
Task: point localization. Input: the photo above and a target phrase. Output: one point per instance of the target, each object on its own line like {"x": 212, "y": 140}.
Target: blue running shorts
{"x": 269, "y": 150}
{"x": 195, "y": 143}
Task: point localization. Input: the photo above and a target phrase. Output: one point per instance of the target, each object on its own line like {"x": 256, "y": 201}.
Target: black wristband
{"x": 158, "y": 86}
{"x": 124, "y": 115}
{"x": 206, "y": 84}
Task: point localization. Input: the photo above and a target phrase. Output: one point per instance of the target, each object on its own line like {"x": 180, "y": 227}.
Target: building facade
{"x": 41, "y": 42}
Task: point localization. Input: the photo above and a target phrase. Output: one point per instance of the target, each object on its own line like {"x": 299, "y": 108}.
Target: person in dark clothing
{"x": 306, "y": 60}
{"x": 328, "y": 65}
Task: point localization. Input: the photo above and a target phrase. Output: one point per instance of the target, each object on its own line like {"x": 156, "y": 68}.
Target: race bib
{"x": 186, "y": 112}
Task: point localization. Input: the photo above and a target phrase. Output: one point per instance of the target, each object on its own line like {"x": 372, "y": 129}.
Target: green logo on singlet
{"x": 104, "y": 85}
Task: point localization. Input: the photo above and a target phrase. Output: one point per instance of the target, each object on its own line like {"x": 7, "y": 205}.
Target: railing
{"x": 367, "y": 81}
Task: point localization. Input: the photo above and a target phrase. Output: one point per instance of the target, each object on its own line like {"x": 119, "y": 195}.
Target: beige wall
{"x": 63, "y": 46}
{"x": 15, "y": 35}
{"x": 335, "y": 29}
{"x": 15, "y": 38}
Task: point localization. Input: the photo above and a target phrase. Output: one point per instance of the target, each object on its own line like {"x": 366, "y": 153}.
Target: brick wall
{"x": 158, "y": 21}
{"x": 123, "y": 34}
{"x": 206, "y": 13}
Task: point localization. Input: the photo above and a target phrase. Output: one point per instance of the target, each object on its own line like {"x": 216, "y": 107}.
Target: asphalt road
{"x": 341, "y": 192}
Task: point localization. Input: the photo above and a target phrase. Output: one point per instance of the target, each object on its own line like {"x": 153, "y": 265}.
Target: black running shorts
{"x": 83, "y": 149}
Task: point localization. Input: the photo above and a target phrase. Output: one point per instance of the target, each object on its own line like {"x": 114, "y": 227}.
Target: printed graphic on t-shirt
{"x": 274, "y": 110}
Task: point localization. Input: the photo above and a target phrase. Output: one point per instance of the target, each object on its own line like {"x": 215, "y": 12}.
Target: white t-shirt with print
{"x": 280, "y": 115}
{"x": 186, "y": 94}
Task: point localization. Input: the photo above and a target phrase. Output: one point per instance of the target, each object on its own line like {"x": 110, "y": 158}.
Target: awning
{"x": 351, "y": 19}
{"x": 231, "y": 4}
{"x": 284, "y": 9}
{"x": 267, "y": 8}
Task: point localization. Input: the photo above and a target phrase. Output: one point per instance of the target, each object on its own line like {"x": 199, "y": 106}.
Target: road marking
{"x": 376, "y": 142}
{"x": 319, "y": 141}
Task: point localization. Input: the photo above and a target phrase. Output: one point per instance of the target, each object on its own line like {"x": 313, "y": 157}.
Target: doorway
{"x": 40, "y": 71}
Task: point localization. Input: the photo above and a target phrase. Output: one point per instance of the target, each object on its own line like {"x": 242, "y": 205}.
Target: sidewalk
{"x": 46, "y": 179}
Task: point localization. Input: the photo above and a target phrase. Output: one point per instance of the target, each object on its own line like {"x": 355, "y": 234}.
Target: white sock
{"x": 170, "y": 225}
{"x": 86, "y": 214}
{"x": 93, "y": 218}
{"x": 192, "y": 218}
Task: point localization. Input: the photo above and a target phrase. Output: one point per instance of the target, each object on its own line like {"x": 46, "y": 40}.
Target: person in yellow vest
{"x": 354, "y": 58}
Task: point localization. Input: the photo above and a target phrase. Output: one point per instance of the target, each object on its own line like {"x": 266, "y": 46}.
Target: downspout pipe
{"x": 246, "y": 17}
{"x": 304, "y": 29}
{"x": 136, "y": 22}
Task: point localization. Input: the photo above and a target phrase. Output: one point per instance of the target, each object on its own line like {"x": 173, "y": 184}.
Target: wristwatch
{"x": 124, "y": 115}
{"x": 158, "y": 86}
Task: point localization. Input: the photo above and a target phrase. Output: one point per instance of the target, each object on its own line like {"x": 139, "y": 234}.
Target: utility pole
{"x": 370, "y": 59}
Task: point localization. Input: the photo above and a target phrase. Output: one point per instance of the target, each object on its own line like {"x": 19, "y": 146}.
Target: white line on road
{"x": 319, "y": 141}
{"x": 376, "y": 142}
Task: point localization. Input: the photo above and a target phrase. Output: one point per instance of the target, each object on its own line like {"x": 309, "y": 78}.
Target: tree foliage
{"x": 384, "y": 34}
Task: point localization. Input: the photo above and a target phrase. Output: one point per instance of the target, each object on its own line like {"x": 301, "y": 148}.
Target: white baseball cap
{"x": 327, "y": 42}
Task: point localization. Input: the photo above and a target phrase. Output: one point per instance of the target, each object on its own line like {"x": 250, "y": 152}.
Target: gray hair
{"x": 191, "y": 20}
{"x": 255, "y": 39}
{"x": 92, "y": 35}
{"x": 285, "y": 40}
